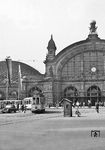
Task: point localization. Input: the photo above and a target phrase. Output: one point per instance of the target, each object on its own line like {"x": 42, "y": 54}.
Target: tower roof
{"x": 51, "y": 44}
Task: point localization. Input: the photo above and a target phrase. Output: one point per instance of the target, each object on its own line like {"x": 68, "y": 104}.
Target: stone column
{"x": 104, "y": 62}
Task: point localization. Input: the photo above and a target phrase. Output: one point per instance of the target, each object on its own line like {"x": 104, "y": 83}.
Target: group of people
{"x": 23, "y": 108}
{"x": 17, "y": 106}
{"x": 20, "y": 107}
{"x": 96, "y": 105}
{"x": 77, "y": 105}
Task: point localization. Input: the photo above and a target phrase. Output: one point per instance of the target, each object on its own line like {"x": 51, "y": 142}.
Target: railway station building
{"x": 77, "y": 72}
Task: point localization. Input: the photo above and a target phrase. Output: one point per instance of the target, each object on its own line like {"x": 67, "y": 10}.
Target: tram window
{"x": 34, "y": 100}
{"x": 37, "y": 100}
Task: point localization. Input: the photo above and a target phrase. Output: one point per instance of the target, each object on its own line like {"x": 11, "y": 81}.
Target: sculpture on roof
{"x": 93, "y": 27}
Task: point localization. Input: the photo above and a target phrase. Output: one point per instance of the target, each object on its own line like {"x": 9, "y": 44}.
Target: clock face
{"x": 93, "y": 69}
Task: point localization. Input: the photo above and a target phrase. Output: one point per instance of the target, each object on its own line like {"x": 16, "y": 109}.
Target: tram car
{"x": 38, "y": 103}
{"x": 28, "y": 102}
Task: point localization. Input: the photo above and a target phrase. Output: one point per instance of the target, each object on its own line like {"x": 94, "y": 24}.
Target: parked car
{"x": 9, "y": 109}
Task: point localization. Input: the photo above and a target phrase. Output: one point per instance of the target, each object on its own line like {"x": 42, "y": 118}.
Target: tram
{"x": 3, "y": 103}
{"x": 38, "y": 103}
{"x": 28, "y": 102}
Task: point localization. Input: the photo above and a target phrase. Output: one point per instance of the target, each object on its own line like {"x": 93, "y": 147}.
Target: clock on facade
{"x": 93, "y": 69}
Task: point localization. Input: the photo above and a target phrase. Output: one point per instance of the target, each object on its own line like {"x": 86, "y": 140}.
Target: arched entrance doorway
{"x": 71, "y": 93}
{"x": 94, "y": 94}
{"x": 13, "y": 95}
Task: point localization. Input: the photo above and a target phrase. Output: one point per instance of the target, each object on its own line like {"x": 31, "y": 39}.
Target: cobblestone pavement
{"x": 27, "y": 131}
{"x": 86, "y": 113}
{"x": 10, "y": 118}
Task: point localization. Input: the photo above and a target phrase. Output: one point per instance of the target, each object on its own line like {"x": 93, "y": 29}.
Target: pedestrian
{"x": 77, "y": 104}
{"x": 97, "y": 107}
{"x": 22, "y": 107}
{"x": 77, "y": 112}
{"x": 25, "y": 108}
{"x": 89, "y": 103}
{"x": 18, "y": 106}
{"x": 83, "y": 104}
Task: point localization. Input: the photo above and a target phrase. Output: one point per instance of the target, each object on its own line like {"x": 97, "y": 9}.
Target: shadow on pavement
{"x": 52, "y": 111}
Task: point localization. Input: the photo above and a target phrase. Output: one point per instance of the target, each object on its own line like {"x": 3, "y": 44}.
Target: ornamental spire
{"x": 51, "y": 44}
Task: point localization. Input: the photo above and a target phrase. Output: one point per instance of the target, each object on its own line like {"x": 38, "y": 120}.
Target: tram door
{"x": 94, "y": 94}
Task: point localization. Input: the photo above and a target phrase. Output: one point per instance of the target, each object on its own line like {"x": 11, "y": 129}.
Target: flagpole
{"x": 18, "y": 92}
{"x": 19, "y": 82}
{"x": 7, "y": 87}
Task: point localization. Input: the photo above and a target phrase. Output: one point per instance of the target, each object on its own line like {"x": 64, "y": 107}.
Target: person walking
{"x": 25, "y": 108}
{"x": 77, "y": 104}
{"x": 22, "y": 107}
{"x": 97, "y": 107}
{"x": 17, "y": 106}
{"x": 77, "y": 112}
{"x": 89, "y": 103}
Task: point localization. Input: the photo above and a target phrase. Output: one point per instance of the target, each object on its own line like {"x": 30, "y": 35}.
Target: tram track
{"x": 8, "y": 120}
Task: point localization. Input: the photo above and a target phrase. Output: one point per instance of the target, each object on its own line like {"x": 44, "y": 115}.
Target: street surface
{"x": 52, "y": 131}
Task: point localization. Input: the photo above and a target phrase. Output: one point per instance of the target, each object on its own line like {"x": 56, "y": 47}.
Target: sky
{"x": 26, "y": 27}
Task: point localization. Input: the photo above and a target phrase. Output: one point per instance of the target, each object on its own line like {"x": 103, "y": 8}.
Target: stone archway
{"x": 34, "y": 90}
{"x": 94, "y": 94}
{"x": 13, "y": 94}
{"x": 71, "y": 93}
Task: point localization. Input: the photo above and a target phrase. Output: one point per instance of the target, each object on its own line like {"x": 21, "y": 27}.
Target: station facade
{"x": 77, "y": 72}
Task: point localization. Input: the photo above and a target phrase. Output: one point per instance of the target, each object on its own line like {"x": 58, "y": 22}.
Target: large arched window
{"x": 71, "y": 93}
{"x": 94, "y": 94}
{"x": 88, "y": 65}
{"x": 13, "y": 94}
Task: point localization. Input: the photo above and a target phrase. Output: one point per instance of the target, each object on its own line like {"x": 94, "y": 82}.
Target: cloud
{"x": 76, "y": 10}
{"x": 22, "y": 13}
{"x": 26, "y": 25}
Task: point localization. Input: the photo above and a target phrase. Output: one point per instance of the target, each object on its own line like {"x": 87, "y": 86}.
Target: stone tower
{"x": 51, "y": 49}
{"x": 50, "y": 57}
